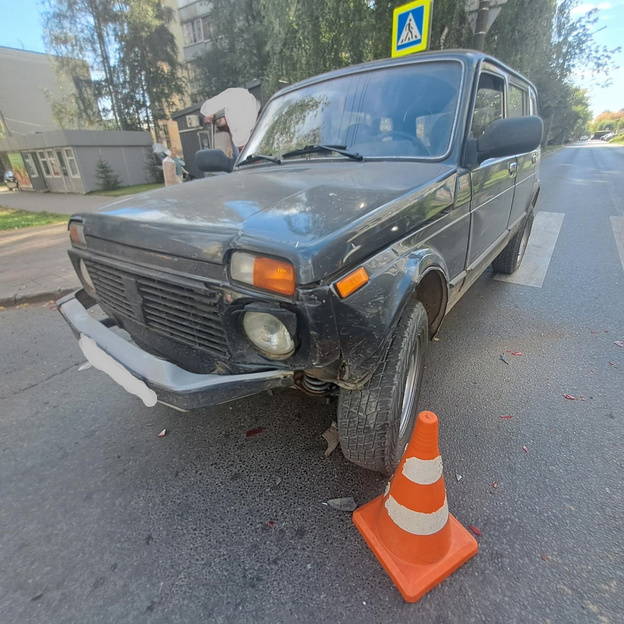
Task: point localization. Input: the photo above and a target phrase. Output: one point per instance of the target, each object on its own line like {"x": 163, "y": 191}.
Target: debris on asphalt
{"x": 436, "y": 339}
{"x": 162, "y": 434}
{"x": 271, "y": 522}
{"x": 502, "y": 357}
{"x": 569, "y": 397}
{"x": 332, "y": 439}
{"x": 516, "y": 353}
{"x": 458, "y": 476}
{"x": 545, "y": 557}
{"x": 582, "y": 397}
{"x": 619, "y": 343}
{"x": 85, "y": 366}
{"x": 594, "y": 332}
{"x": 507, "y": 417}
{"x": 253, "y": 432}
{"x": 343, "y": 504}
{"x": 525, "y": 449}
{"x": 45, "y": 305}
{"x": 495, "y": 485}
{"x": 476, "y": 531}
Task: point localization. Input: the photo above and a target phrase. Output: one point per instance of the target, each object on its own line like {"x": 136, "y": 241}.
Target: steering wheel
{"x": 416, "y": 142}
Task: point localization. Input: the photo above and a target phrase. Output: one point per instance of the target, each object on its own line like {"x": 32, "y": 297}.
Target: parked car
{"x": 365, "y": 204}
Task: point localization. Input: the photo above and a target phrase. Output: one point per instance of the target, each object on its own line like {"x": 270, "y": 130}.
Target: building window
{"x": 192, "y": 32}
{"x": 71, "y": 162}
{"x": 45, "y": 165}
{"x": 53, "y": 164}
{"x": 207, "y": 28}
{"x": 30, "y": 165}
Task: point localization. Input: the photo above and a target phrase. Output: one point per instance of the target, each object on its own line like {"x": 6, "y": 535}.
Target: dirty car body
{"x": 297, "y": 269}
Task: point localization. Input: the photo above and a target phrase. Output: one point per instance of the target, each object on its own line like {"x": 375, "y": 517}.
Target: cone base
{"x": 413, "y": 580}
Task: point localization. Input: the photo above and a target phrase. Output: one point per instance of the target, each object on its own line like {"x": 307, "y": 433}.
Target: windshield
{"x": 402, "y": 111}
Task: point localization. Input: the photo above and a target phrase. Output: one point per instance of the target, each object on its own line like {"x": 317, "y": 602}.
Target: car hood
{"x": 322, "y": 216}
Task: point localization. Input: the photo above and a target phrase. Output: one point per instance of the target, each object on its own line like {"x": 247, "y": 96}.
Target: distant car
{"x": 608, "y": 137}
{"x": 364, "y": 205}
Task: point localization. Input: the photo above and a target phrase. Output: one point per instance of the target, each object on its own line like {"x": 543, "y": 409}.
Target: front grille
{"x": 110, "y": 288}
{"x": 187, "y": 314}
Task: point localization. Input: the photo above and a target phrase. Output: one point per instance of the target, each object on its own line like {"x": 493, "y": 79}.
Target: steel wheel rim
{"x": 409, "y": 391}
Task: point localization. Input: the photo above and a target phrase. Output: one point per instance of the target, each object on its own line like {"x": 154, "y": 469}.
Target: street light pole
{"x": 478, "y": 40}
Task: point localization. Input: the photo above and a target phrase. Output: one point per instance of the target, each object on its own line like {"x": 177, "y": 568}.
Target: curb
{"x": 46, "y": 295}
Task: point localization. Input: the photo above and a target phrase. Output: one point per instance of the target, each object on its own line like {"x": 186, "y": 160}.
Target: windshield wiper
{"x": 311, "y": 149}
{"x": 253, "y": 157}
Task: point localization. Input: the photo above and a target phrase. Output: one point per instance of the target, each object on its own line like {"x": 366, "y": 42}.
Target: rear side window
{"x": 488, "y": 104}
{"x": 516, "y": 106}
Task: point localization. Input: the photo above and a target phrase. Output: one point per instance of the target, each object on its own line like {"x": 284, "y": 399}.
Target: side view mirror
{"x": 212, "y": 160}
{"x": 507, "y": 137}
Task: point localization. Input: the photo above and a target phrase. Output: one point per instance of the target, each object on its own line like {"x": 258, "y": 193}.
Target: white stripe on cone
{"x": 416, "y": 522}
{"x": 423, "y": 471}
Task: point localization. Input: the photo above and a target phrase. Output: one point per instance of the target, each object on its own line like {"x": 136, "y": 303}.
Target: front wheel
{"x": 375, "y": 423}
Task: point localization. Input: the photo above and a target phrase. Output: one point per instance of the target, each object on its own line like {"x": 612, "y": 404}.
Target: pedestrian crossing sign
{"x": 410, "y": 27}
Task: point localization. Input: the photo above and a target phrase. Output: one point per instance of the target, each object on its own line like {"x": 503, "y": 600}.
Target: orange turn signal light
{"x": 352, "y": 282}
{"x": 274, "y": 275}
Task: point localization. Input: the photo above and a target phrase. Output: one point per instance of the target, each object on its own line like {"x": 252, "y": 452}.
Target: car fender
{"x": 367, "y": 318}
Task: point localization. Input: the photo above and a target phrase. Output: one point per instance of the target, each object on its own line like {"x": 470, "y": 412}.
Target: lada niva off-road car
{"x": 365, "y": 203}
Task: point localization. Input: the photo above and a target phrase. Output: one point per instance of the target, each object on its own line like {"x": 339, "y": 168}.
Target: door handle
{"x": 534, "y": 157}
{"x": 512, "y": 169}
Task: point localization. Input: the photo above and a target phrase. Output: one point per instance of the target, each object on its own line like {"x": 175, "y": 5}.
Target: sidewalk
{"x": 34, "y": 265}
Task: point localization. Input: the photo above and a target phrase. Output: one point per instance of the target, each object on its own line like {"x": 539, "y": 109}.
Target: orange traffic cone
{"x": 409, "y": 528}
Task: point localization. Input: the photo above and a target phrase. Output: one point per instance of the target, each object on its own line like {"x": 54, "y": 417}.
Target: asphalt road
{"x": 102, "y": 521}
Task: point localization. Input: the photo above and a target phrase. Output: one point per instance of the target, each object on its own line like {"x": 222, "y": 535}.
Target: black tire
{"x": 510, "y": 258}
{"x": 369, "y": 419}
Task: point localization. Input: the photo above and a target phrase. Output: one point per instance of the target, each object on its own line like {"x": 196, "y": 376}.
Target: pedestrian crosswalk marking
{"x": 410, "y": 31}
{"x": 617, "y": 223}
{"x": 539, "y": 251}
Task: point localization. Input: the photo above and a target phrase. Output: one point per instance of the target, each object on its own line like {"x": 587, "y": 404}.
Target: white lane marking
{"x": 104, "y": 362}
{"x": 423, "y": 471}
{"x": 416, "y": 522}
{"x": 532, "y": 271}
{"x": 617, "y": 223}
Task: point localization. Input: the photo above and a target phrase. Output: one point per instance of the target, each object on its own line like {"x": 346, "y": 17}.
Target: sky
{"x": 20, "y": 27}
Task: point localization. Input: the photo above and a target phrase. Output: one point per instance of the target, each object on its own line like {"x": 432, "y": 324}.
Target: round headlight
{"x": 268, "y": 333}
{"x": 85, "y": 276}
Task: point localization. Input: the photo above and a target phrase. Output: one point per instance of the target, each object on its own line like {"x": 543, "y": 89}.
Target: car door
{"x": 493, "y": 180}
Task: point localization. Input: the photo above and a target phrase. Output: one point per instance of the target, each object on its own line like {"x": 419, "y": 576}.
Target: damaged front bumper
{"x": 154, "y": 379}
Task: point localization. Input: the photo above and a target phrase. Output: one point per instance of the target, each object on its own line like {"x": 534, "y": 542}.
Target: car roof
{"x": 471, "y": 58}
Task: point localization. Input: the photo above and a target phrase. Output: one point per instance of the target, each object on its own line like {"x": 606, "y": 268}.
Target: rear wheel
{"x": 510, "y": 258}
{"x": 375, "y": 423}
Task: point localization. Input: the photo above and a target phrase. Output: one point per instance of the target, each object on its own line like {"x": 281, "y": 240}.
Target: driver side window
{"x": 488, "y": 104}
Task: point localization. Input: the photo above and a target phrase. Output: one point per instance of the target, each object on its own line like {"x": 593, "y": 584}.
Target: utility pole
{"x": 478, "y": 41}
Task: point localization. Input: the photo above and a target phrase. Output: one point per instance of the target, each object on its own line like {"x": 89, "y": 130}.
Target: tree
{"x": 85, "y": 30}
{"x": 108, "y": 179}
{"x": 543, "y": 40}
{"x": 148, "y": 68}
{"x": 237, "y": 48}
{"x": 130, "y": 50}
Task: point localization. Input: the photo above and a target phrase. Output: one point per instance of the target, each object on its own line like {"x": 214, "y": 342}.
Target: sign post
{"x": 411, "y": 26}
